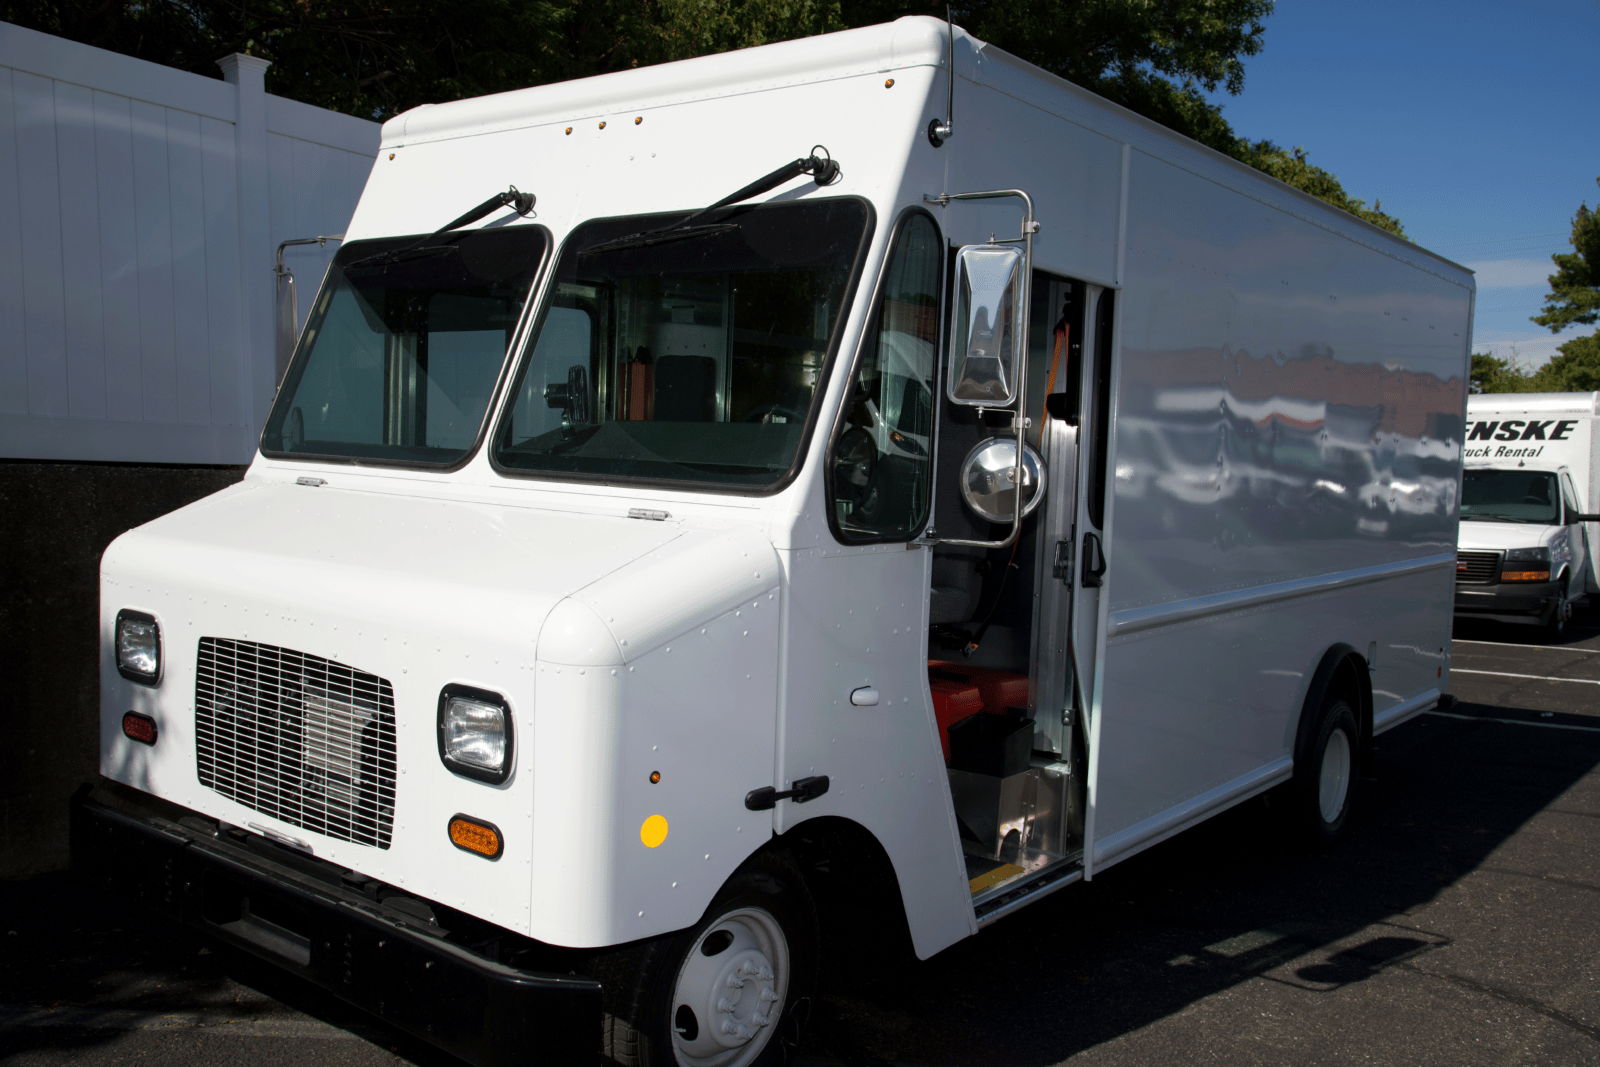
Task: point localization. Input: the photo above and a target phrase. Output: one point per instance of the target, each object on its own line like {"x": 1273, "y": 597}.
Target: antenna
{"x": 939, "y": 132}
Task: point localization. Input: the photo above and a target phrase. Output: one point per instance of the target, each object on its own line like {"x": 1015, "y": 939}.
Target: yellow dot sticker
{"x": 654, "y": 831}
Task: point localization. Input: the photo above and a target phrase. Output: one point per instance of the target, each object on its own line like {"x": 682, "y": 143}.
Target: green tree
{"x": 1491, "y": 374}
{"x": 1574, "y": 300}
{"x": 376, "y": 58}
{"x": 1575, "y": 370}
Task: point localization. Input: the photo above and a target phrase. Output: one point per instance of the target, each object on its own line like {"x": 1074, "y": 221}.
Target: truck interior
{"x": 1010, "y": 727}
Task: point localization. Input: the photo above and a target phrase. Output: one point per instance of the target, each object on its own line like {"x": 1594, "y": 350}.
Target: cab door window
{"x": 881, "y": 464}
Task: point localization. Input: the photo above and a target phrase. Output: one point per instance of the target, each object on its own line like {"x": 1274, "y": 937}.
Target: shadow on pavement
{"x": 1210, "y": 909}
{"x": 1187, "y": 919}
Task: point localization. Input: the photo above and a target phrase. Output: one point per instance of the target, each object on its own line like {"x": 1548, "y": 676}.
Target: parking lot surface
{"x": 1461, "y": 925}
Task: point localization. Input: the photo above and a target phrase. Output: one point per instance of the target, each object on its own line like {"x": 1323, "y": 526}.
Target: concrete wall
{"x": 56, "y": 520}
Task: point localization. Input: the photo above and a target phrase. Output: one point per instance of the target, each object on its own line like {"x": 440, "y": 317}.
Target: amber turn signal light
{"x": 476, "y": 836}
{"x": 142, "y": 728}
{"x": 1525, "y": 576}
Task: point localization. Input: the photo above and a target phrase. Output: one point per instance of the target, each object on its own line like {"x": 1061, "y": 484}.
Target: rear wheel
{"x": 733, "y": 991}
{"x": 1325, "y": 779}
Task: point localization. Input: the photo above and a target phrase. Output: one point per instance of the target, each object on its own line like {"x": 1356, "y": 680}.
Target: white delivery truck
{"x": 635, "y": 582}
{"x": 1526, "y": 494}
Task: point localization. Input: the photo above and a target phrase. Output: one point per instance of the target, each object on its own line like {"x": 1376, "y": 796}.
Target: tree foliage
{"x": 1573, "y": 300}
{"x": 1491, "y": 374}
{"x": 376, "y": 58}
{"x": 1574, "y": 297}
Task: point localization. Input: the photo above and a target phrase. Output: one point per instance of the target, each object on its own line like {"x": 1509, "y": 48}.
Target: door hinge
{"x": 804, "y": 789}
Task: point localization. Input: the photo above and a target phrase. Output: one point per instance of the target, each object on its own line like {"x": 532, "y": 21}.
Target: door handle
{"x": 1094, "y": 562}
{"x": 804, "y": 789}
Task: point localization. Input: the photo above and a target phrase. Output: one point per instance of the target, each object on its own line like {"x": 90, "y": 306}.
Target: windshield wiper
{"x": 400, "y": 255}
{"x": 824, "y": 168}
{"x": 513, "y": 198}
{"x": 659, "y": 237}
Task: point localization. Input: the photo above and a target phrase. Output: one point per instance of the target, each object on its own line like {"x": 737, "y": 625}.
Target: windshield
{"x": 403, "y": 348}
{"x": 1509, "y": 496}
{"x": 694, "y": 360}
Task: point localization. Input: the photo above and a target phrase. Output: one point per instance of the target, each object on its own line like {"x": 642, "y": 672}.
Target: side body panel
{"x": 1286, "y": 465}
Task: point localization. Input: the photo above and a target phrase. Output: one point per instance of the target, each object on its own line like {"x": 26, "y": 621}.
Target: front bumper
{"x": 1508, "y": 601}
{"x": 326, "y": 924}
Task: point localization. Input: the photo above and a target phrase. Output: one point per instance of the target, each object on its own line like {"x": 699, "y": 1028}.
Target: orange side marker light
{"x": 476, "y": 836}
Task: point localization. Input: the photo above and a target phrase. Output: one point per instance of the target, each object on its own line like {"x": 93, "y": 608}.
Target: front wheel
{"x": 732, "y": 991}
{"x": 1555, "y": 627}
{"x": 1325, "y": 781}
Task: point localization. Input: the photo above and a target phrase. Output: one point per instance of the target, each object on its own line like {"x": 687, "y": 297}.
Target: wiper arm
{"x": 657, "y": 237}
{"x": 512, "y": 198}
{"x": 824, "y": 168}
{"x": 400, "y": 255}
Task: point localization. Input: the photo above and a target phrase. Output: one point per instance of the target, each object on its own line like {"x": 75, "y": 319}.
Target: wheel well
{"x": 1342, "y": 672}
{"x": 853, "y": 883}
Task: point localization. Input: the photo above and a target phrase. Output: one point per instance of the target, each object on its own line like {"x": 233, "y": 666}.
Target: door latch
{"x": 804, "y": 789}
{"x": 1094, "y": 562}
{"x": 1061, "y": 566}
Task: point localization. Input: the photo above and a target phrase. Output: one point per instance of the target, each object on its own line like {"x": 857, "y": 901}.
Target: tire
{"x": 1325, "y": 781}
{"x": 1554, "y": 630}
{"x": 732, "y": 991}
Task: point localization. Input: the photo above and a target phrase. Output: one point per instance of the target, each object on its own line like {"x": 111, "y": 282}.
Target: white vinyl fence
{"x": 140, "y": 211}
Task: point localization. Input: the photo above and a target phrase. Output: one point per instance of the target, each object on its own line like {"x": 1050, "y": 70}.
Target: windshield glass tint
{"x": 403, "y": 348}
{"x": 693, "y": 360}
{"x": 1509, "y": 496}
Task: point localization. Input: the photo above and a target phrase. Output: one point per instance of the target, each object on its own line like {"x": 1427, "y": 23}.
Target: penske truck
{"x": 1527, "y": 498}
{"x": 863, "y": 482}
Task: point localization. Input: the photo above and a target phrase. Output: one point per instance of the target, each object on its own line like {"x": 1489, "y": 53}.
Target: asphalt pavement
{"x": 1459, "y": 926}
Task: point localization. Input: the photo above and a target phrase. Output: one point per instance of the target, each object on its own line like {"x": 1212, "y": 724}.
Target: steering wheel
{"x": 773, "y": 413}
{"x": 855, "y": 458}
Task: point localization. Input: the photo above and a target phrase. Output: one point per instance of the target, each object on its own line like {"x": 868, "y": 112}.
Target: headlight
{"x": 475, "y": 733}
{"x": 1526, "y": 565}
{"x": 138, "y": 640}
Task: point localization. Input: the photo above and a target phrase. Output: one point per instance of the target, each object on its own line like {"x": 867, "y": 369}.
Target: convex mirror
{"x": 989, "y": 479}
{"x": 986, "y": 341}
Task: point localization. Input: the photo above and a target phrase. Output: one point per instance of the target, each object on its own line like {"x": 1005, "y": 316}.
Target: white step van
{"x": 636, "y": 583}
{"x": 1526, "y": 497}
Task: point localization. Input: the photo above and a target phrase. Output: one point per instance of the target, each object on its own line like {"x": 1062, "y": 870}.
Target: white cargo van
{"x": 1529, "y": 486}
{"x": 636, "y": 582}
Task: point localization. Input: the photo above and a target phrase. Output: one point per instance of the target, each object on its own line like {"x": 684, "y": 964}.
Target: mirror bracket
{"x": 1028, "y": 228}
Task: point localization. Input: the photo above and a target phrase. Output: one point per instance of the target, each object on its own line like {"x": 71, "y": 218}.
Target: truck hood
{"x": 302, "y": 566}
{"x": 1492, "y": 536}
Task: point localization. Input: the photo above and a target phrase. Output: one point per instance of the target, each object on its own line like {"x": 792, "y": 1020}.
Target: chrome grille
{"x": 297, "y": 737}
{"x": 1477, "y": 568}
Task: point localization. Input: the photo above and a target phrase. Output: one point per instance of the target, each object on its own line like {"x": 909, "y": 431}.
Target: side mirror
{"x": 986, "y": 339}
{"x": 1575, "y": 517}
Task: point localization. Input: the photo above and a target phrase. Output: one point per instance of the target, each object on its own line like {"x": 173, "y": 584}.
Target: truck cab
{"x": 1524, "y": 554}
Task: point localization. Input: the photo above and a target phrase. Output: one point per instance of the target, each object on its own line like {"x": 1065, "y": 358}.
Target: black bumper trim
{"x": 1536, "y": 599}
{"x": 487, "y": 1013}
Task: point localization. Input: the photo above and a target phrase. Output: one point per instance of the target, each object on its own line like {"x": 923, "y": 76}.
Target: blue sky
{"x": 1475, "y": 123}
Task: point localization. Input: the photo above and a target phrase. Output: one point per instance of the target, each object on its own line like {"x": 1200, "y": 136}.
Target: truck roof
{"x": 1543, "y": 403}
{"x": 913, "y": 41}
